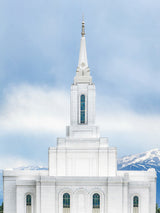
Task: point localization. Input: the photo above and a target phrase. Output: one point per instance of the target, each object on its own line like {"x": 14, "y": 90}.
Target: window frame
{"x": 96, "y": 201}
{"x": 135, "y": 201}
{"x": 32, "y": 201}
{"x": 139, "y": 202}
{"x": 67, "y": 200}
{"x": 82, "y": 109}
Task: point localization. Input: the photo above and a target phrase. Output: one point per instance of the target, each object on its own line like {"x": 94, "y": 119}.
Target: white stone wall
{"x": 17, "y": 184}
{"x": 115, "y": 198}
{"x": 82, "y": 157}
{"x": 81, "y": 192}
{"x": 91, "y": 104}
{"x": 78, "y": 130}
{"x": 116, "y": 193}
{"x": 23, "y": 188}
{"x": 73, "y": 105}
{"x": 143, "y": 185}
{"x": 47, "y": 195}
{"x": 9, "y": 195}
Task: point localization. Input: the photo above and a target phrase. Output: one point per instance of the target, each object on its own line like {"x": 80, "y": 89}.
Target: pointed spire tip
{"x": 83, "y": 27}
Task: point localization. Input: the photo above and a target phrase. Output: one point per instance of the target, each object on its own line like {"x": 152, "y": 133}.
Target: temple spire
{"x": 83, "y": 72}
{"x": 83, "y": 62}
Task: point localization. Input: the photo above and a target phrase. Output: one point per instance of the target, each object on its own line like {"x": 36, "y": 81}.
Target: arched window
{"x": 66, "y": 203}
{"x": 82, "y": 111}
{"x": 135, "y": 204}
{"x": 28, "y": 204}
{"x": 96, "y": 203}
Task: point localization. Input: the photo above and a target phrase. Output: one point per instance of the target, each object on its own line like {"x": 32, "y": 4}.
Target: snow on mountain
{"x": 31, "y": 168}
{"x": 145, "y": 160}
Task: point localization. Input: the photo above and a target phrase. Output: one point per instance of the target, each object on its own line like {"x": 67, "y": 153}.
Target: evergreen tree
{"x": 157, "y": 209}
{"x": 1, "y": 208}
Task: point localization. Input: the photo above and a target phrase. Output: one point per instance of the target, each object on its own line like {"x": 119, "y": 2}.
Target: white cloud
{"x": 140, "y": 131}
{"x": 31, "y": 109}
{"x": 9, "y": 162}
{"x": 129, "y": 121}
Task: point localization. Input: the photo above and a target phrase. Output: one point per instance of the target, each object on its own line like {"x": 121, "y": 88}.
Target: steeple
{"x": 83, "y": 62}
{"x": 83, "y": 72}
{"x": 83, "y": 94}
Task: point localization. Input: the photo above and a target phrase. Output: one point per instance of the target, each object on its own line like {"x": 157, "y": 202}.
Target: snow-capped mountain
{"x": 142, "y": 161}
{"x": 31, "y": 168}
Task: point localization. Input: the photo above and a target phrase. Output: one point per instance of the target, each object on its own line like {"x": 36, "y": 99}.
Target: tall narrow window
{"x": 135, "y": 204}
{"x": 28, "y": 204}
{"x": 96, "y": 203}
{"x": 82, "y": 111}
{"x": 66, "y": 203}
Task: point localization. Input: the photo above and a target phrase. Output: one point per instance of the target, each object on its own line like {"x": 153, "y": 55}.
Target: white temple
{"x": 82, "y": 175}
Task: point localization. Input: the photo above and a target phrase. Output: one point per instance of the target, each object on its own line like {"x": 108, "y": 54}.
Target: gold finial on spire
{"x": 83, "y": 27}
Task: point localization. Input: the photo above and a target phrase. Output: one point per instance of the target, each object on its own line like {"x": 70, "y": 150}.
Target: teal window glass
{"x": 28, "y": 200}
{"x": 66, "y": 200}
{"x": 96, "y": 201}
{"x": 82, "y": 107}
{"x": 135, "y": 201}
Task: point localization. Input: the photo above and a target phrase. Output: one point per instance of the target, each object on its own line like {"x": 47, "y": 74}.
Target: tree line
{"x": 157, "y": 209}
{"x": 1, "y": 208}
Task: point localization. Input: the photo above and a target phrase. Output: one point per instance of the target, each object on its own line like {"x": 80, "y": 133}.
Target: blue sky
{"x": 39, "y": 43}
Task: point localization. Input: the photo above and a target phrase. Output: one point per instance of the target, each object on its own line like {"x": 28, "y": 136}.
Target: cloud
{"x": 127, "y": 129}
{"x": 29, "y": 108}
{"x": 44, "y": 110}
{"x": 40, "y": 46}
{"x": 128, "y": 121}
{"x": 7, "y": 162}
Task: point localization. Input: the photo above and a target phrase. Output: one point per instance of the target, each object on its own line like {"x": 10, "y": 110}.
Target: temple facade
{"x": 82, "y": 175}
